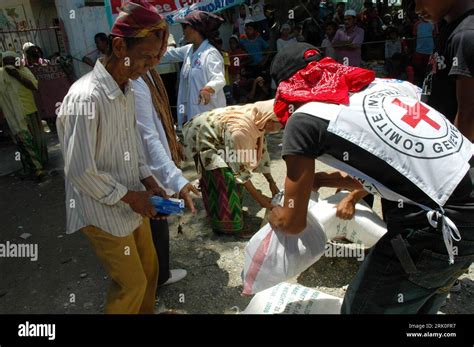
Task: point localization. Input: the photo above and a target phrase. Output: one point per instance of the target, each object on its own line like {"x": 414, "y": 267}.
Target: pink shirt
{"x": 356, "y": 36}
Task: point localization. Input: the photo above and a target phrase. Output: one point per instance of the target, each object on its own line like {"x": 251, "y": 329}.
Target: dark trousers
{"x": 169, "y": 80}
{"x": 161, "y": 239}
{"x": 407, "y": 272}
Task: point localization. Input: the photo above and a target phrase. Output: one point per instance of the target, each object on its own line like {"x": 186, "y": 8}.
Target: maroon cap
{"x": 137, "y": 18}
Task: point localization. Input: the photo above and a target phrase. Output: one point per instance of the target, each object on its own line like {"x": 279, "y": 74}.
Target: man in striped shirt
{"x": 108, "y": 184}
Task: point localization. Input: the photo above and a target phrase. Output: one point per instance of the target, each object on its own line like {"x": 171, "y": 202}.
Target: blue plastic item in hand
{"x": 168, "y": 206}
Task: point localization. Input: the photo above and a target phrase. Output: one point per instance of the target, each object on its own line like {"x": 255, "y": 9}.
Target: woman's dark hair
{"x": 214, "y": 38}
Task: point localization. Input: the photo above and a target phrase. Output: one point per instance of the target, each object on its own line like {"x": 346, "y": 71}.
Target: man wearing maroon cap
{"x": 108, "y": 184}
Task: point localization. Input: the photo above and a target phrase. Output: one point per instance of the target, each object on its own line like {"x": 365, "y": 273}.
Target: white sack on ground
{"x": 286, "y": 298}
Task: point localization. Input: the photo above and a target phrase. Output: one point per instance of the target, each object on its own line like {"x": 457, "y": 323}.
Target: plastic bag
{"x": 272, "y": 257}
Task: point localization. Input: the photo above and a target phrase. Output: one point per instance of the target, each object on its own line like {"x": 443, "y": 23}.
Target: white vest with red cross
{"x": 388, "y": 120}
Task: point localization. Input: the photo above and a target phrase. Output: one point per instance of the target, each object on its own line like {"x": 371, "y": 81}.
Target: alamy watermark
{"x": 28, "y": 329}
{"x": 81, "y": 108}
{"x": 340, "y": 251}
{"x": 238, "y": 155}
{"x": 19, "y": 250}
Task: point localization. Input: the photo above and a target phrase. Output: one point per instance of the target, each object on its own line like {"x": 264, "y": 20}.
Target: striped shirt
{"x": 103, "y": 154}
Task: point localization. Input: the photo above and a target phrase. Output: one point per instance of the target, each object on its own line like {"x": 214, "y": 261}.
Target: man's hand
{"x": 276, "y": 218}
{"x": 152, "y": 186}
{"x": 140, "y": 203}
{"x": 265, "y": 202}
{"x": 346, "y": 208}
{"x": 185, "y": 194}
{"x": 88, "y": 61}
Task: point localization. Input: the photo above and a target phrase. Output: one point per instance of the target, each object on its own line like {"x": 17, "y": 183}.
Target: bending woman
{"x": 228, "y": 145}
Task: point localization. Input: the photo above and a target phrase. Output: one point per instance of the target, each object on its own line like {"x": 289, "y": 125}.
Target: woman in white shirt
{"x": 202, "y": 76}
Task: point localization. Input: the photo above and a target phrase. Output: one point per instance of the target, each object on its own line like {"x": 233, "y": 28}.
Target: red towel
{"x": 324, "y": 81}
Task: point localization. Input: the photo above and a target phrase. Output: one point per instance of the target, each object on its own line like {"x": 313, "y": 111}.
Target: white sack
{"x": 272, "y": 257}
{"x": 289, "y": 298}
{"x": 366, "y": 228}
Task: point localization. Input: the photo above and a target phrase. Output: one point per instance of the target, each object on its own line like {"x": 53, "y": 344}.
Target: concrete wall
{"x": 81, "y": 24}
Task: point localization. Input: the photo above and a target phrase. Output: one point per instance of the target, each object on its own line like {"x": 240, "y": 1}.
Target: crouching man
{"x": 390, "y": 144}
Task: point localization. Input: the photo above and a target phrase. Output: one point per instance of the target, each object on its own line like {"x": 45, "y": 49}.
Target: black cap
{"x": 291, "y": 59}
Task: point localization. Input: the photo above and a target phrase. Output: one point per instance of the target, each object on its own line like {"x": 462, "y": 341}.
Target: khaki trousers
{"x": 132, "y": 264}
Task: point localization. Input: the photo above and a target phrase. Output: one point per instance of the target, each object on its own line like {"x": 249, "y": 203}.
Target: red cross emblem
{"x": 415, "y": 114}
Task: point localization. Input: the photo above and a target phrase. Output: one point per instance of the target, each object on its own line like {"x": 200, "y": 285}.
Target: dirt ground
{"x": 68, "y": 269}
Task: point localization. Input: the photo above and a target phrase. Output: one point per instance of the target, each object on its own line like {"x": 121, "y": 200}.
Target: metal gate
{"x": 50, "y": 39}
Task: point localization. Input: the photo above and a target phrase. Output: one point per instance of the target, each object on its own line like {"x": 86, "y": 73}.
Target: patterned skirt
{"x": 222, "y": 197}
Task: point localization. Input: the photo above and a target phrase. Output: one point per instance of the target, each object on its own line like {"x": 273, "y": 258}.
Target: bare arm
{"x": 88, "y": 61}
{"x": 261, "y": 199}
{"x": 337, "y": 179}
{"x": 271, "y": 182}
{"x": 23, "y": 80}
{"x": 291, "y": 218}
{"x": 346, "y": 207}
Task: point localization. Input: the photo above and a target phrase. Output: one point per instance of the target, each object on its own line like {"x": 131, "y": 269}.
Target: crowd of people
{"x": 402, "y": 41}
{"x": 303, "y": 75}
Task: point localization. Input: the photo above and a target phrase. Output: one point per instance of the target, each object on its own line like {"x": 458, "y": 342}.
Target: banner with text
{"x": 174, "y": 9}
